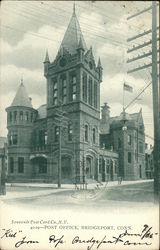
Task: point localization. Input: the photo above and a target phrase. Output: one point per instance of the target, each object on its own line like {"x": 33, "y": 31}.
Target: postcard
{"x": 79, "y": 134}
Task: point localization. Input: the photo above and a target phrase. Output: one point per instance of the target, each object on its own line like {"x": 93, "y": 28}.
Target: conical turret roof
{"x": 22, "y": 98}
{"x": 73, "y": 35}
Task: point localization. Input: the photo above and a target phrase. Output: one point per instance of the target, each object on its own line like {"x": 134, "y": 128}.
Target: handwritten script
{"x": 144, "y": 237}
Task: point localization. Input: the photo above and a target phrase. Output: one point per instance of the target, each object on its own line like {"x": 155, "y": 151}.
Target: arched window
{"x": 86, "y": 133}
{"x": 94, "y": 135}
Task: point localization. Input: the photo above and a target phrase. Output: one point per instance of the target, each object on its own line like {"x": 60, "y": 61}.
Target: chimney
{"x": 105, "y": 113}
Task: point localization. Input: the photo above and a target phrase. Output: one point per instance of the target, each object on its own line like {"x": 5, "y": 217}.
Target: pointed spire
{"x": 47, "y": 57}
{"x": 80, "y": 45}
{"x": 72, "y": 35}
{"x": 99, "y": 63}
{"x": 21, "y": 98}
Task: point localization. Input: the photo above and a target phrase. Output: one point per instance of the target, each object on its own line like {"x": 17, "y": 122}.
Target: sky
{"x": 29, "y": 28}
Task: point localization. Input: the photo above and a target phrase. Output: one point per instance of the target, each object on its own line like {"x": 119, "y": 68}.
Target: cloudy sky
{"x": 28, "y": 28}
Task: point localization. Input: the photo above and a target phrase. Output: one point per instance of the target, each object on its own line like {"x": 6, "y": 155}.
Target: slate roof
{"x": 42, "y": 111}
{"x": 72, "y": 36}
{"x": 22, "y": 99}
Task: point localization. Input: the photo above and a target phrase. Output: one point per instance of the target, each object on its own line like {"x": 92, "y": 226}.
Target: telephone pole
{"x": 155, "y": 95}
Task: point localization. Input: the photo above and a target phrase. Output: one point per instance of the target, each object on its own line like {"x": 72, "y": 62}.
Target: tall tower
{"x": 73, "y": 87}
{"x": 20, "y": 118}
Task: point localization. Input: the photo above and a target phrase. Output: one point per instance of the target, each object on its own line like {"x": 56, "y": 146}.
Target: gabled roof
{"x": 73, "y": 35}
{"x": 22, "y": 99}
{"x": 133, "y": 117}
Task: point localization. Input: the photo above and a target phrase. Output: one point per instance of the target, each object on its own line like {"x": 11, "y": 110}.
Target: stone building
{"x": 60, "y": 140}
{"x": 125, "y": 135}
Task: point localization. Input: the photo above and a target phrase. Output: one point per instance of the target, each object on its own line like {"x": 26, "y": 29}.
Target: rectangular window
{"x": 45, "y": 138}
{"x": 55, "y": 91}
{"x": 129, "y": 157}
{"x": 70, "y": 132}
{"x": 129, "y": 139}
{"x": 15, "y": 116}
{"x": 21, "y": 116}
{"x": 64, "y": 91}
{"x": 10, "y": 116}
{"x": 26, "y": 116}
{"x": 11, "y": 165}
{"x": 56, "y": 133}
{"x": 20, "y": 165}
{"x": 14, "y": 139}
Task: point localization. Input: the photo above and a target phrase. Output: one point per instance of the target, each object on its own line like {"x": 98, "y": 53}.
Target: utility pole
{"x": 155, "y": 94}
{"x": 155, "y": 98}
{"x": 59, "y": 159}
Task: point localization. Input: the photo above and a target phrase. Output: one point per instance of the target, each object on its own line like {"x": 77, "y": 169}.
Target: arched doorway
{"x": 39, "y": 166}
{"x": 89, "y": 167}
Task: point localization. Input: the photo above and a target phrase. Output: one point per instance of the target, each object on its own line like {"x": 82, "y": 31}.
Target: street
{"x": 128, "y": 194}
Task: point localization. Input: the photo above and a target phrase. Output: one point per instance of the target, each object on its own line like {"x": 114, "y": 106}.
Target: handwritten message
{"x": 144, "y": 237}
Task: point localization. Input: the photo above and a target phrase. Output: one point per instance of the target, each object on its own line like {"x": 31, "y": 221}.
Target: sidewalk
{"x": 41, "y": 189}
